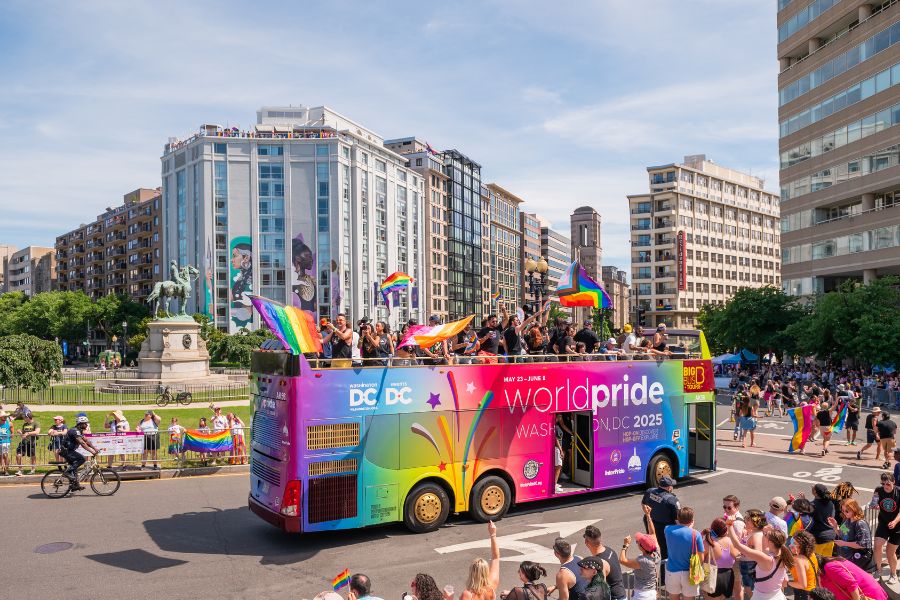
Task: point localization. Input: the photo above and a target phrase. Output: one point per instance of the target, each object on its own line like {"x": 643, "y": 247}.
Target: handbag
{"x": 712, "y": 575}
{"x": 696, "y": 572}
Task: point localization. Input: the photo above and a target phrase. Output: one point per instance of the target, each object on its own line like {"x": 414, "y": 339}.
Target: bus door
{"x": 701, "y": 435}
{"x": 583, "y": 449}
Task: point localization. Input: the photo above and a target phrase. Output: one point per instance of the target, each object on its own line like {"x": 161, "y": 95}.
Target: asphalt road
{"x": 194, "y": 538}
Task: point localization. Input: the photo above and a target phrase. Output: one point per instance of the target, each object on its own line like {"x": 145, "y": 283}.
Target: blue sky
{"x": 564, "y": 104}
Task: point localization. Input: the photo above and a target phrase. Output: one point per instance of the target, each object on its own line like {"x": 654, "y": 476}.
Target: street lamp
{"x": 124, "y": 341}
{"x": 538, "y": 286}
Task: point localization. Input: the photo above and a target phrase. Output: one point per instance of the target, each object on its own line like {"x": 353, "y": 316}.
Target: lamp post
{"x": 124, "y": 341}
{"x": 537, "y": 286}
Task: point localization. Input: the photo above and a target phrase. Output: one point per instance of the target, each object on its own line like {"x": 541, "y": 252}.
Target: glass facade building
{"x": 464, "y": 239}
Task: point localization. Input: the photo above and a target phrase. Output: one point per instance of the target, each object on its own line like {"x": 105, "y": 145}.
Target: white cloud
{"x": 537, "y": 95}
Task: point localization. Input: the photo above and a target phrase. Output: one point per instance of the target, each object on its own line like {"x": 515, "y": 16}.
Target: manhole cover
{"x": 53, "y": 547}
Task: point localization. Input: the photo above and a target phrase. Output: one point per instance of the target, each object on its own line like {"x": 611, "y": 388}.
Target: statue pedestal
{"x": 173, "y": 351}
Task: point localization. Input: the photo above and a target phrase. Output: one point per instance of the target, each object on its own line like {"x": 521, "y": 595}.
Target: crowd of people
{"x": 505, "y": 337}
{"x": 29, "y": 434}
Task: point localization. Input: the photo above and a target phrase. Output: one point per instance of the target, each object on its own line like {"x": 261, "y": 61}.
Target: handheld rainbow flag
{"x": 794, "y": 524}
{"x": 840, "y": 418}
{"x": 802, "y": 418}
{"x": 426, "y": 337}
{"x": 341, "y": 580}
{"x": 394, "y": 283}
{"x": 199, "y": 441}
{"x": 295, "y": 328}
{"x": 576, "y": 288}
{"x": 496, "y": 296}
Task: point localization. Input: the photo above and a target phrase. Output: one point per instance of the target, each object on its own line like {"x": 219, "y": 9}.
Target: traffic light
{"x": 642, "y": 317}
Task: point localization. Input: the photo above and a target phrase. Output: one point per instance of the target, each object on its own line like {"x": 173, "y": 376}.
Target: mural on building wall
{"x": 208, "y": 295}
{"x": 303, "y": 280}
{"x": 241, "y": 282}
{"x": 336, "y": 287}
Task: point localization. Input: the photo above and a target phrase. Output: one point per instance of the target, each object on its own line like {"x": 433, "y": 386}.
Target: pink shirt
{"x": 840, "y": 576}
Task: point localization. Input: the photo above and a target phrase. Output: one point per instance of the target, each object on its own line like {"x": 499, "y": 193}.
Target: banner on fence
{"x": 199, "y": 441}
{"x": 131, "y": 442}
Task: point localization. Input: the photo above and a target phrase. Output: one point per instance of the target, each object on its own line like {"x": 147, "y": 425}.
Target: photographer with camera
{"x": 375, "y": 343}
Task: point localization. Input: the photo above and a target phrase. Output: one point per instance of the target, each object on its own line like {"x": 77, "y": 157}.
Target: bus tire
{"x": 490, "y": 499}
{"x": 426, "y": 508}
{"x": 660, "y": 465}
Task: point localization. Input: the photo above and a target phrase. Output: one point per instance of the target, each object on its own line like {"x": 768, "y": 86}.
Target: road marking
{"x": 790, "y": 457}
{"x": 784, "y": 478}
{"x": 130, "y": 481}
{"x": 526, "y": 550}
{"x": 825, "y": 474}
{"x": 708, "y": 475}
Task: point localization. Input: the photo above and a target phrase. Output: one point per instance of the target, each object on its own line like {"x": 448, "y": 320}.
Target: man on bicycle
{"x": 72, "y": 440}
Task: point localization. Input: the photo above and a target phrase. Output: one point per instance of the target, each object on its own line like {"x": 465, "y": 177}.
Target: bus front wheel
{"x": 426, "y": 508}
{"x": 660, "y": 466}
{"x": 490, "y": 499}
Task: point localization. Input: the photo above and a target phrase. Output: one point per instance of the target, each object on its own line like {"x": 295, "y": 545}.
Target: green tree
{"x": 112, "y": 310}
{"x": 10, "y": 304}
{"x": 29, "y": 362}
{"x": 237, "y": 347}
{"x": 602, "y": 318}
{"x": 49, "y": 315}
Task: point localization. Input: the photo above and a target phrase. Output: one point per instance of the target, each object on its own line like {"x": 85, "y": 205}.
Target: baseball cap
{"x": 434, "y": 319}
{"x": 646, "y": 542}
{"x": 412, "y": 322}
{"x": 778, "y": 502}
{"x": 588, "y": 322}
{"x": 611, "y": 341}
{"x": 58, "y": 418}
{"x": 666, "y": 481}
{"x": 627, "y": 328}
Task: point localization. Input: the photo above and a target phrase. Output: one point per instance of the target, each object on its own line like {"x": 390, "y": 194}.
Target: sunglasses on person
{"x": 727, "y": 506}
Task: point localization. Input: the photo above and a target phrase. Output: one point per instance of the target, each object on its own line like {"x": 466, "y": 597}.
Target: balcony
{"x": 664, "y": 240}
{"x": 642, "y": 274}
{"x": 641, "y": 227}
{"x": 640, "y": 243}
{"x": 642, "y": 209}
{"x": 642, "y": 259}
{"x": 665, "y": 290}
{"x": 665, "y": 273}
{"x": 665, "y": 223}
{"x": 662, "y": 207}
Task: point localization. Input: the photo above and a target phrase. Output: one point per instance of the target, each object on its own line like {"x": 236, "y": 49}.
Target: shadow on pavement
{"x": 236, "y": 531}
{"x": 137, "y": 560}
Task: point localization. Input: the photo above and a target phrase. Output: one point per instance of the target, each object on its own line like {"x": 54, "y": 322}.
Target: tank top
{"x": 726, "y": 559}
{"x": 576, "y": 592}
{"x": 340, "y": 348}
{"x": 768, "y": 583}
{"x": 811, "y": 568}
{"x": 384, "y": 347}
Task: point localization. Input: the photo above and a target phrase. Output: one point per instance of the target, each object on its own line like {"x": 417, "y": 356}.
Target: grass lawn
{"x": 187, "y": 417}
{"x": 84, "y": 394}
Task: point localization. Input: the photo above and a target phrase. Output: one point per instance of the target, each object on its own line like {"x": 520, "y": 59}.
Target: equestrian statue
{"x": 179, "y": 287}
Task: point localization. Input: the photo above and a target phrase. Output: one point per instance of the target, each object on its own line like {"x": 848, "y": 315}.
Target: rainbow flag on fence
{"x": 341, "y": 580}
{"x": 295, "y": 328}
{"x": 840, "y": 418}
{"x": 802, "y": 418}
{"x": 576, "y": 288}
{"x": 199, "y": 441}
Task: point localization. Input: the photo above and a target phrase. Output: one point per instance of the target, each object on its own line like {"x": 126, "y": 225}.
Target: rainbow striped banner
{"x": 576, "y": 288}
{"x": 802, "y": 418}
{"x": 341, "y": 580}
{"x": 295, "y": 328}
{"x": 199, "y": 441}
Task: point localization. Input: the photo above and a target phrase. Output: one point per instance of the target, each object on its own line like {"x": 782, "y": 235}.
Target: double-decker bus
{"x": 338, "y": 448}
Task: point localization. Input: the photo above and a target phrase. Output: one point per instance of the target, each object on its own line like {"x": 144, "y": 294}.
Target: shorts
{"x": 870, "y": 436}
{"x": 4, "y": 449}
{"x": 748, "y": 573}
{"x": 825, "y": 549}
{"x": 891, "y": 535}
{"x": 644, "y": 594}
{"x": 557, "y": 457}
{"x": 27, "y": 448}
{"x": 151, "y": 441}
{"x": 852, "y": 426}
{"x": 724, "y": 582}
{"x": 748, "y": 423}
{"x": 887, "y": 444}
{"x": 677, "y": 583}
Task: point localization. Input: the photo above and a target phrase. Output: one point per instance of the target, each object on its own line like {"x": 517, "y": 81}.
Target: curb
{"x": 143, "y": 475}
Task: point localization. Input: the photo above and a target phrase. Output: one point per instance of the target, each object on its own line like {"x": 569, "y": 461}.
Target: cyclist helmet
{"x": 81, "y": 419}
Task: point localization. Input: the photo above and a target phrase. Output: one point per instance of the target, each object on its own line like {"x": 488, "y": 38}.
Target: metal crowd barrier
{"x": 63, "y": 395}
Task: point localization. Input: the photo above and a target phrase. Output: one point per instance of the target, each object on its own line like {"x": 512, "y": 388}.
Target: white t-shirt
{"x": 148, "y": 426}
{"x": 630, "y": 343}
{"x": 354, "y": 348}
{"x": 777, "y": 522}
{"x": 219, "y": 423}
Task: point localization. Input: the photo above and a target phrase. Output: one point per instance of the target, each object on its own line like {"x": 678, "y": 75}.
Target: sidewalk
{"x": 108, "y": 407}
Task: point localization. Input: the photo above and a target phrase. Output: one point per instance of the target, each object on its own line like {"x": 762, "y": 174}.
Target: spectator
{"x": 219, "y": 422}
{"x": 661, "y": 510}
{"x": 238, "y": 445}
{"x": 721, "y": 552}
{"x": 847, "y": 581}
{"x": 823, "y": 509}
{"x": 116, "y": 423}
{"x": 609, "y": 349}
{"x": 871, "y": 434}
{"x": 6, "y": 432}
{"x": 202, "y": 427}
{"x": 465, "y": 346}
{"x": 851, "y": 424}
{"x": 774, "y": 517}
{"x": 557, "y": 463}
{"x": 886, "y": 430}
{"x": 57, "y": 430}
{"x": 823, "y": 416}
{"x": 595, "y": 571}
{"x": 439, "y": 352}
{"x": 149, "y": 426}
{"x": 484, "y": 579}
{"x": 423, "y": 587}
{"x": 587, "y": 337}
{"x": 645, "y": 566}
{"x": 773, "y": 561}
{"x": 339, "y": 338}
{"x": 854, "y": 538}
{"x": 405, "y": 356}
{"x": 682, "y": 541}
{"x": 887, "y": 499}
{"x": 841, "y": 492}
{"x": 30, "y": 431}
{"x": 176, "y": 439}
{"x": 489, "y": 336}
{"x": 529, "y": 572}
{"x": 805, "y": 565}
{"x": 21, "y": 411}
{"x": 360, "y": 588}
{"x": 629, "y": 346}
{"x": 594, "y": 544}
{"x": 570, "y": 583}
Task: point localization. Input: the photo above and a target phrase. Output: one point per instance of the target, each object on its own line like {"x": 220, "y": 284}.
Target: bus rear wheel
{"x": 490, "y": 499}
{"x": 426, "y": 508}
{"x": 660, "y": 466}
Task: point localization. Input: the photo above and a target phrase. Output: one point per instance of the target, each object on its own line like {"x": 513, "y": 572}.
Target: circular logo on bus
{"x": 530, "y": 471}
{"x": 615, "y": 457}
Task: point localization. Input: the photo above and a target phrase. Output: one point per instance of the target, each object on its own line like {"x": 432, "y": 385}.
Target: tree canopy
{"x": 29, "y": 362}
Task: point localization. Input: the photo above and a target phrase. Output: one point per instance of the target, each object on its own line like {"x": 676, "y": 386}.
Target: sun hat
{"x": 627, "y": 328}
{"x": 646, "y": 542}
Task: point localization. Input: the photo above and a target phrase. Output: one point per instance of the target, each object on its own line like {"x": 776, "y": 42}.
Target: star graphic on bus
{"x": 470, "y": 387}
{"x": 434, "y": 400}
{"x": 442, "y": 466}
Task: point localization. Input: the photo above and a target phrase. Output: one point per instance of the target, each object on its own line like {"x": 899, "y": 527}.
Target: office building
{"x": 5, "y": 251}
{"x": 120, "y": 252}
{"x": 307, "y": 207}
{"x": 556, "y": 248}
{"x": 31, "y": 270}
{"x": 530, "y": 226}
{"x": 429, "y": 165}
{"x": 505, "y": 245}
{"x": 839, "y": 118}
{"x": 585, "y": 231}
{"x": 702, "y": 232}
{"x": 615, "y": 282}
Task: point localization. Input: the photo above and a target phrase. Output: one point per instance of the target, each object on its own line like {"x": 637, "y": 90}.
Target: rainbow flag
{"x": 840, "y": 418}
{"x": 576, "y": 288}
{"x": 496, "y": 296}
{"x": 794, "y": 524}
{"x": 199, "y": 441}
{"x": 394, "y": 283}
{"x": 802, "y": 418}
{"x": 426, "y": 337}
{"x": 295, "y": 328}
{"x": 341, "y": 580}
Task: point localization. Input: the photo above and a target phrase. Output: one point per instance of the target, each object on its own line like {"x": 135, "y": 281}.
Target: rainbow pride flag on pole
{"x": 576, "y": 288}
{"x": 199, "y": 441}
{"x": 341, "y": 580}
{"x": 840, "y": 418}
{"x": 394, "y": 283}
{"x": 496, "y": 296}
{"x": 295, "y": 328}
{"x": 802, "y": 418}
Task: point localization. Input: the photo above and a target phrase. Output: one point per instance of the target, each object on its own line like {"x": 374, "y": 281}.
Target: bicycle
{"x": 166, "y": 398}
{"x": 58, "y": 484}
